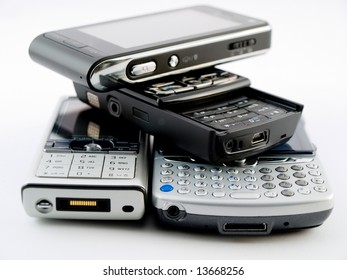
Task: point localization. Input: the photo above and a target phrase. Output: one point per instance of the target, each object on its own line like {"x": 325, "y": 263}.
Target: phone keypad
{"x": 87, "y": 165}
{"x": 190, "y": 83}
{"x": 249, "y": 183}
{"x": 241, "y": 111}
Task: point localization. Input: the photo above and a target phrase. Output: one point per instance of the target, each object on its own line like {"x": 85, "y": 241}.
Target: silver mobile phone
{"x": 151, "y": 46}
{"x": 92, "y": 166}
{"x": 282, "y": 189}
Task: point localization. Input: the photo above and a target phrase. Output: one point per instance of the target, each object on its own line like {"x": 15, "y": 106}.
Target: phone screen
{"x": 299, "y": 144}
{"x": 159, "y": 27}
{"x": 77, "y": 120}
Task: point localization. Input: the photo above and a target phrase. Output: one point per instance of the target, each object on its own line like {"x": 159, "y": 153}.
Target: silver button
{"x": 248, "y": 171}
{"x": 201, "y": 192}
{"x": 200, "y": 176}
{"x": 199, "y": 169}
{"x": 304, "y": 191}
{"x": 234, "y": 187}
{"x": 143, "y": 68}
{"x": 312, "y": 165}
{"x": 183, "y": 190}
{"x": 216, "y": 170}
{"x": 267, "y": 178}
{"x": 173, "y": 61}
{"x": 299, "y": 175}
{"x": 218, "y": 194}
{"x": 317, "y": 180}
{"x": 320, "y": 189}
{"x": 183, "y": 182}
{"x": 183, "y": 174}
{"x": 302, "y": 183}
{"x": 166, "y": 180}
{"x": 281, "y": 169}
{"x": 271, "y": 194}
{"x": 234, "y": 179}
{"x": 167, "y": 165}
{"x": 250, "y": 179}
{"x": 265, "y": 170}
{"x": 285, "y": 184}
{"x": 217, "y": 178}
{"x": 269, "y": 186}
{"x": 217, "y": 185}
{"x": 283, "y": 176}
{"x": 314, "y": 173}
{"x": 287, "y": 192}
{"x": 44, "y": 206}
{"x": 200, "y": 184}
{"x": 232, "y": 171}
{"x": 244, "y": 195}
{"x": 183, "y": 167}
{"x": 166, "y": 172}
{"x": 252, "y": 187}
{"x": 297, "y": 167}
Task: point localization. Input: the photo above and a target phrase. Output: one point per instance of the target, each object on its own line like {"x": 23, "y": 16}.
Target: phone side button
{"x": 140, "y": 114}
{"x": 143, "y": 68}
{"x": 244, "y": 195}
{"x": 74, "y": 43}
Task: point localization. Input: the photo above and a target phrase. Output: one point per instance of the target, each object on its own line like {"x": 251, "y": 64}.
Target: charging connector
{"x": 83, "y": 205}
{"x": 244, "y": 227}
{"x": 259, "y": 138}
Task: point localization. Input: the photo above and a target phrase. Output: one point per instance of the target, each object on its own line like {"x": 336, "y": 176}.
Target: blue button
{"x": 166, "y": 188}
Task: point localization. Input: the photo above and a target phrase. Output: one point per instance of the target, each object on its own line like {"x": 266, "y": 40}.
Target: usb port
{"x": 83, "y": 205}
{"x": 244, "y": 228}
{"x": 258, "y": 138}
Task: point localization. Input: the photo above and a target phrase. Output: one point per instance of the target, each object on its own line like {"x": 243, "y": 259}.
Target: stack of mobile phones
{"x": 214, "y": 134}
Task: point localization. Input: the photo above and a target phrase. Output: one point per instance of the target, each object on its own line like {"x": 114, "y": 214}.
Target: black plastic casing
{"x": 205, "y": 142}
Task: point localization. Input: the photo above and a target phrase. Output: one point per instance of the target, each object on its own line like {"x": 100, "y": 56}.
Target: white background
{"x": 307, "y": 64}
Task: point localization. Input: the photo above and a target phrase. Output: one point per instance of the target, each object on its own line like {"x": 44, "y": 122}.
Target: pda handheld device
{"x": 282, "y": 189}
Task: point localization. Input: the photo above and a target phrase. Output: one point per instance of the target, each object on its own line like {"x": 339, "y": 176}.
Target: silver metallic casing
{"x": 131, "y": 192}
{"x": 84, "y": 57}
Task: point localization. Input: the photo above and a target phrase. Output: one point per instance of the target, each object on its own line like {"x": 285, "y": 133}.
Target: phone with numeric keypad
{"x": 212, "y": 113}
{"x": 92, "y": 167}
{"x": 282, "y": 189}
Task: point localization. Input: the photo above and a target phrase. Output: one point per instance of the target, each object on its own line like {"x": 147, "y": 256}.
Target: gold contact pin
{"x": 82, "y": 203}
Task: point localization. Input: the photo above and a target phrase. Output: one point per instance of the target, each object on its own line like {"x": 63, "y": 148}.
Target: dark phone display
{"x": 299, "y": 144}
{"x": 77, "y": 120}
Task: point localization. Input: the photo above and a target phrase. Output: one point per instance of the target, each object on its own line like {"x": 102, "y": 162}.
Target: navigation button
{"x": 166, "y": 188}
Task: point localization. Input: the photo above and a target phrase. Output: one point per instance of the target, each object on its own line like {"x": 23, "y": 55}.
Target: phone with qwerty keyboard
{"x": 211, "y": 113}
{"x": 92, "y": 166}
{"x": 283, "y": 189}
